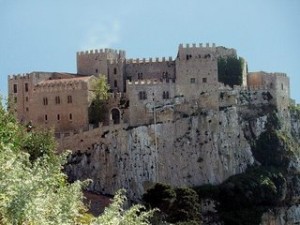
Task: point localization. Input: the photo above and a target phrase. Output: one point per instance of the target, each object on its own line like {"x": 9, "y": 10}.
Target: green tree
{"x": 230, "y": 70}
{"x": 186, "y": 207}
{"x": 37, "y": 192}
{"x": 115, "y": 214}
{"x": 98, "y": 111}
{"x": 100, "y": 87}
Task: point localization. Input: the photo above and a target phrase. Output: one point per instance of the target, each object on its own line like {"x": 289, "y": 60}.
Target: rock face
{"x": 206, "y": 147}
{"x": 282, "y": 216}
{"x": 193, "y": 150}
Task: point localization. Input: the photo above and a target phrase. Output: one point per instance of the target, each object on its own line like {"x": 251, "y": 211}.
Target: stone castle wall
{"x": 21, "y": 88}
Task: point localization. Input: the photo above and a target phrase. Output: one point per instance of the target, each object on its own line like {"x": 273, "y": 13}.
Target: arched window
{"x": 57, "y": 100}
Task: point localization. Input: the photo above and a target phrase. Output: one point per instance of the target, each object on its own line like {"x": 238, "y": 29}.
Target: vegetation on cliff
{"x": 33, "y": 189}
{"x": 179, "y": 205}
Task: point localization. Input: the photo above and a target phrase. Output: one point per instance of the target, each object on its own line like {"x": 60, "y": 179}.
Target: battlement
{"x": 149, "y": 60}
{"x": 100, "y": 51}
{"x": 200, "y": 45}
{"x": 149, "y": 82}
{"x": 19, "y": 76}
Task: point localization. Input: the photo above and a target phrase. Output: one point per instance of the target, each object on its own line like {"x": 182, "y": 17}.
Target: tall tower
{"x": 106, "y": 62}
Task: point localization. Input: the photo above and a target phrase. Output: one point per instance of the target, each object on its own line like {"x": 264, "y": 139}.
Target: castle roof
{"x": 65, "y": 81}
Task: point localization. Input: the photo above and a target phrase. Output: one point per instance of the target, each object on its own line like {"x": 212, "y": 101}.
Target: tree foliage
{"x": 230, "y": 71}
{"x": 180, "y": 205}
{"x": 33, "y": 189}
{"x": 98, "y": 108}
{"x": 100, "y": 87}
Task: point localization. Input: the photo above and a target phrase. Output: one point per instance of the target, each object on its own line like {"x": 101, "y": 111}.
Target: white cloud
{"x": 102, "y": 35}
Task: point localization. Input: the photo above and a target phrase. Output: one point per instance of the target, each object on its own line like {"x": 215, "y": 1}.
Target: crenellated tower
{"x": 108, "y": 62}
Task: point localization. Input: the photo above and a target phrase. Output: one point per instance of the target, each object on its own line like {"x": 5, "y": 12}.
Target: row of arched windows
{"x": 58, "y": 100}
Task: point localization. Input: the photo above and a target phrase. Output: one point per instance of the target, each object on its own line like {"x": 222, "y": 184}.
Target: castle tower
{"x": 197, "y": 72}
{"x": 108, "y": 62}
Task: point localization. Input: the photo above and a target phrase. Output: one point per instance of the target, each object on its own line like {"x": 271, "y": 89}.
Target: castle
{"x": 142, "y": 91}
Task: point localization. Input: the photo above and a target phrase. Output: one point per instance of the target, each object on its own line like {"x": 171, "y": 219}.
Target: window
{"x": 26, "y": 87}
{"x": 204, "y": 80}
{"x": 193, "y": 80}
{"x": 115, "y": 83}
{"x": 27, "y": 109}
{"x": 140, "y": 76}
{"x": 58, "y": 117}
{"x": 57, "y": 100}
{"x": 46, "y": 117}
{"x": 26, "y": 99}
{"x": 115, "y": 70}
{"x": 45, "y": 101}
{"x": 70, "y": 116}
{"x": 166, "y": 95}
{"x": 281, "y": 86}
{"x": 15, "y": 88}
{"x": 69, "y": 99}
{"x": 142, "y": 95}
{"x": 96, "y": 70}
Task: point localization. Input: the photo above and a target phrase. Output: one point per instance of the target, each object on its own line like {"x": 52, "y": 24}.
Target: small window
{"x": 57, "y": 100}
{"x": 166, "y": 95}
{"x": 45, "y": 101}
{"x": 142, "y": 95}
{"x": 140, "y": 76}
{"x": 193, "y": 80}
{"x": 58, "y": 117}
{"x": 15, "y": 88}
{"x": 70, "y": 116}
{"x": 115, "y": 83}
{"x": 115, "y": 70}
{"x": 46, "y": 117}
{"x": 281, "y": 86}
{"x": 26, "y": 87}
{"x": 96, "y": 70}
{"x": 26, "y": 99}
{"x": 69, "y": 99}
{"x": 27, "y": 109}
{"x": 204, "y": 80}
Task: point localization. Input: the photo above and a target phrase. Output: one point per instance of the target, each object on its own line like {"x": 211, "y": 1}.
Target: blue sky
{"x": 45, "y": 35}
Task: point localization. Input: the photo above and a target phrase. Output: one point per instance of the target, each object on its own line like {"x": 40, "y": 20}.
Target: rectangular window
{"x": 204, "y": 80}
{"x": 26, "y": 99}
{"x": 46, "y": 117}
{"x": 57, "y": 100}
{"x": 58, "y": 117}
{"x": 166, "y": 95}
{"x": 45, "y": 101}
{"x": 69, "y": 98}
{"x": 15, "y": 88}
{"x": 70, "y": 117}
{"x": 115, "y": 70}
{"x": 193, "y": 80}
{"x": 27, "y": 109}
{"x": 26, "y": 87}
{"x": 142, "y": 95}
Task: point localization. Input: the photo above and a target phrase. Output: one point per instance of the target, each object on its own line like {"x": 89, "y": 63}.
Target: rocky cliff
{"x": 205, "y": 147}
